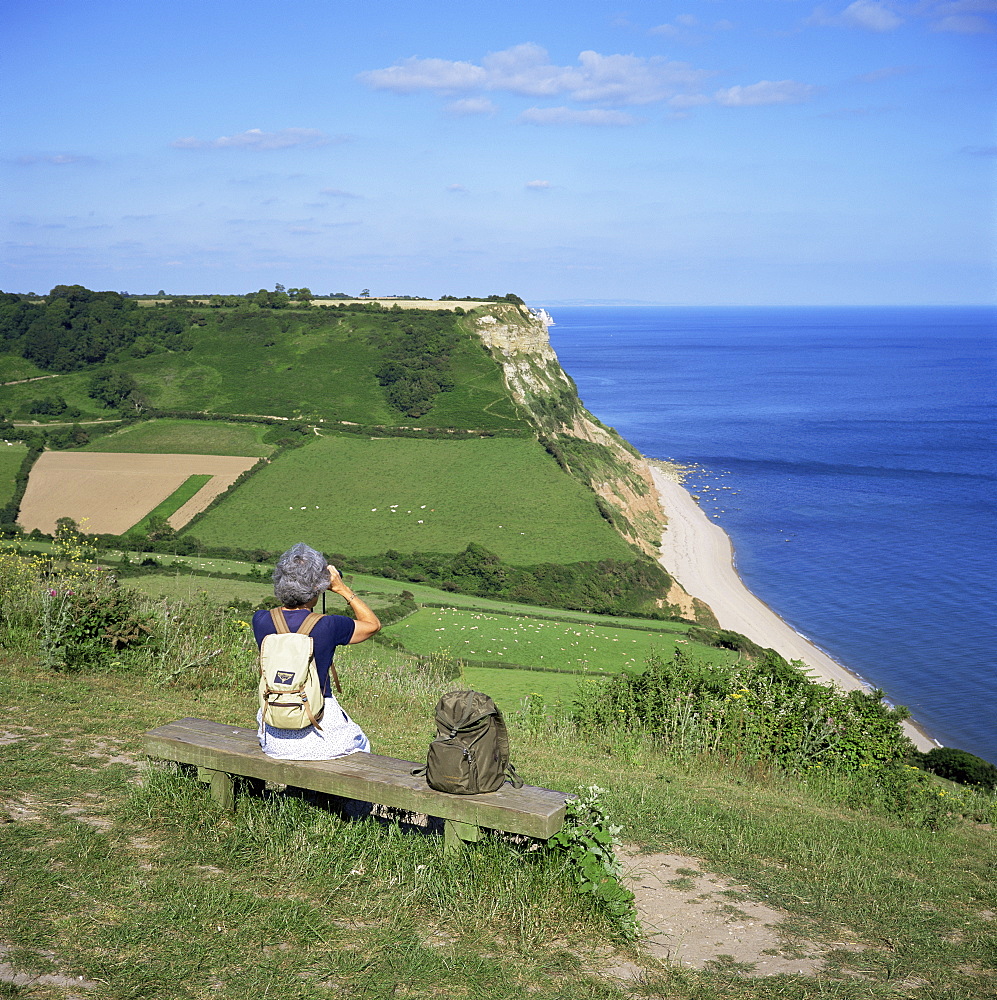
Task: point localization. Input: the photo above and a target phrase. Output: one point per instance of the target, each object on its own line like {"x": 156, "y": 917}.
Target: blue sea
{"x": 850, "y": 455}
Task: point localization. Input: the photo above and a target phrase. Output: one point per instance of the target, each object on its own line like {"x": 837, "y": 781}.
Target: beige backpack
{"x": 290, "y": 694}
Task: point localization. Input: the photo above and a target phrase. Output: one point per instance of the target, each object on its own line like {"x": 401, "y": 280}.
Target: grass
{"x": 186, "y": 437}
{"x": 71, "y": 386}
{"x": 149, "y": 891}
{"x": 361, "y": 497}
{"x": 183, "y": 586}
{"x": 13, "y": 367}
{"x": 11, "y": 457}
{"x": 538, "y": 642}
{"x": 512, "y": 689}
{"x": 188, "y": 489}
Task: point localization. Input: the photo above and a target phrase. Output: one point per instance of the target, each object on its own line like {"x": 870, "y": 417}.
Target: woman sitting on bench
{"x": 301, "y": 574}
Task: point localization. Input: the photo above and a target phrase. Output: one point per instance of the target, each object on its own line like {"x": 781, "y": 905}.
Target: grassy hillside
{"x": 347, "y": 488}
{"x": 322, "y": 364}
{"x": 361, "y": 497}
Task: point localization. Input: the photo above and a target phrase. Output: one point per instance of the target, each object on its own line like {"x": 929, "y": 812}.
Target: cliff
{"x": 585, "y": 448}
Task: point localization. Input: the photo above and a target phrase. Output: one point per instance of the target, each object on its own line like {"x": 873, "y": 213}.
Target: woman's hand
{"x": 336, "y": 583}
{"x": 367, "y": 623}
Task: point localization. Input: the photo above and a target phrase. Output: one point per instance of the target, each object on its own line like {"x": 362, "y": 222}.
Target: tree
{"x": 111, "y": 388}
{"x": 279, "y": 289}
{"x": 365, "y": 294}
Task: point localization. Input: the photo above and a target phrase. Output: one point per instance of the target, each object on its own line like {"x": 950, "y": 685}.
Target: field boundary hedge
{"x": 9, "y": 514}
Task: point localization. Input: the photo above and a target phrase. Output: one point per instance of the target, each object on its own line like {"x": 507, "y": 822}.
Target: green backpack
{"x": 471, "y": 751}
{"x": 289, "y": 690}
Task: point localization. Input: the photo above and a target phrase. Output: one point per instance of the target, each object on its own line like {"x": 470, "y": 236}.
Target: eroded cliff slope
{"x": 584, "y": 447}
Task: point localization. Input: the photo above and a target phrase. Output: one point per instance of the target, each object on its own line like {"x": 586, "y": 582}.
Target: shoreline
{"x": 700, "y": 555}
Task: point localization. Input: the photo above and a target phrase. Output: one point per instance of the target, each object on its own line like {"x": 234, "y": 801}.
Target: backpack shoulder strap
{"x": 305, "y": 628}
{"x": 279, "y": 621}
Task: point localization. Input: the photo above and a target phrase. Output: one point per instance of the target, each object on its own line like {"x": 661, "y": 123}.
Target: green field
{"x": 71, "y": 386}
{"x": 180, "y": 584}
{"x": 362, "y": 496}
{"x": 11, "y": 457}
{"x": 538, "y": 642}
{"x": 187, "y": 490}
{"x": 187, "y": 437}
{"x": 184, "y": 586}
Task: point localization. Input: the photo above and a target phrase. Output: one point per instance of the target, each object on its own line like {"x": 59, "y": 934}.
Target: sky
{"x": 697, "y": 152}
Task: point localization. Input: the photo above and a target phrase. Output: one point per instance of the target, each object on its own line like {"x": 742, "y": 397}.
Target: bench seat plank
{"x": 532, "y": 811}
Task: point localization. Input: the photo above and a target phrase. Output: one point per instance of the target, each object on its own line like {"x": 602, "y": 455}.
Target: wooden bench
{"x": 224, "y": 753}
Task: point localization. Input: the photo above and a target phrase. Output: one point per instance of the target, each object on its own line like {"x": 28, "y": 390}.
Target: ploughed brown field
{"x": 114, "y": 491}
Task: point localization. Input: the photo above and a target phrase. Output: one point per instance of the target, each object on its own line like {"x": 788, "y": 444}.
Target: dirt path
{"x": 700, "y": 920}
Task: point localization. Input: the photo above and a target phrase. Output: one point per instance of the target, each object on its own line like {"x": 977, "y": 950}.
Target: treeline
{"x": 609, "y": 586}
{"x": 74, "y": 327}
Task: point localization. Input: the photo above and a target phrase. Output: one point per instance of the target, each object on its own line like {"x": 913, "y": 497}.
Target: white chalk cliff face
{"x": 519, "y": 341}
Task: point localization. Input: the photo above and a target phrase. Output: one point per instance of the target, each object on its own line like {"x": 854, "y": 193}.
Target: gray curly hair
{"x": 300, "y": 575}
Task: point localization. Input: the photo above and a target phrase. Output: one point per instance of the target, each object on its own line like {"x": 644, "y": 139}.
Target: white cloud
{"x": 456, "y": 189}
{"x": 414, "y": 74}
{"x": 765, "y": 92}
{"x": 471, "y": 106}
{"x": 537, "y": 185}
{"x": 870, "y": 15}
{"x": 527, "y": 70}
{"x": 257, "y": 139}
{"x": 965, "y": 17}
{"x": 573, "y": 116}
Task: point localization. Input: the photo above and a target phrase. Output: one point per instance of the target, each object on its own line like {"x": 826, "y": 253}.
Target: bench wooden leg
{"x": 456, "y": 833}
{"x": 222, "y": 786}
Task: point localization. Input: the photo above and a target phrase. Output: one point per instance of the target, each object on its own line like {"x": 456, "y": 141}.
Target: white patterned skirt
{"x": 339, "y": 736}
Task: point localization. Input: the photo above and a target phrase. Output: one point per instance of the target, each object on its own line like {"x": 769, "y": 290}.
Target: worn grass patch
{"x": 362, "y": 497}
{"x": 186, "y": 437}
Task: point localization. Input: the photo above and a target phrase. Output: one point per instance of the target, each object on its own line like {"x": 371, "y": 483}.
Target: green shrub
{"x": 767, "y": 711}
{"x": 958, "y": 765}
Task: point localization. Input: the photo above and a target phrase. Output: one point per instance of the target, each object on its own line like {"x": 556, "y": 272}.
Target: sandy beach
{"x": 699, "y": 554}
